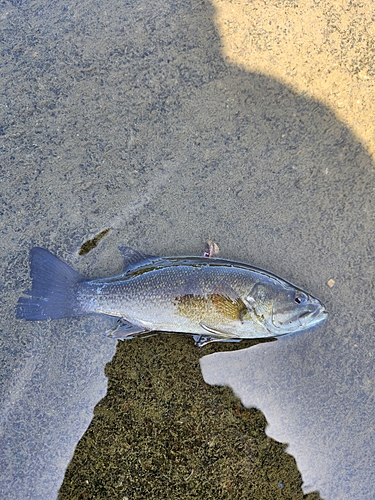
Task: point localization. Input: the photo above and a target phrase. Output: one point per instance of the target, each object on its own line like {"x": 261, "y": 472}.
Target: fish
{"x": 212, "y": 299}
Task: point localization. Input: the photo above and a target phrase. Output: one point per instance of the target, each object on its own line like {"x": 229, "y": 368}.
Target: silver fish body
{"x": 212, "y": 299}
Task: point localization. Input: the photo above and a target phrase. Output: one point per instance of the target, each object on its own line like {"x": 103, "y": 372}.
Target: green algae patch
{"x": 161, "y": 432}
{"x": 91, "y": 244}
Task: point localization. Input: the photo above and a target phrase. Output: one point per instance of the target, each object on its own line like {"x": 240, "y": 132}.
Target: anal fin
{"x": 123, "y": 330}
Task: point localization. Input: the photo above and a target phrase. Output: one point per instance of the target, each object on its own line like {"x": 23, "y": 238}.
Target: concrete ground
{"x": 171, "y": 123}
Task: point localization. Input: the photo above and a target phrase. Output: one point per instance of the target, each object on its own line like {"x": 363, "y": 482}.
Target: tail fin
{"x": 52, "y": 294}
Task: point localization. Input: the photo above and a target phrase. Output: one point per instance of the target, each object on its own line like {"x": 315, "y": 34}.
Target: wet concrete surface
{"x": 127, "y": 116}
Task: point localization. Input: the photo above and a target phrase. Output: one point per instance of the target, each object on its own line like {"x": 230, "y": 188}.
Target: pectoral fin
{"x": 230, "y": 309}
{"x": 227, "y": 302}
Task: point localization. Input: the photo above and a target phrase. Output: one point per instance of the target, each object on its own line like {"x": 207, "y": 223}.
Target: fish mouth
{"x": 310, "y": 318}
{"x": 314, "y": 314}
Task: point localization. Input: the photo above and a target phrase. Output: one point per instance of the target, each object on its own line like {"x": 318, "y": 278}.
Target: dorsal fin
{"x": 132, "y": 256}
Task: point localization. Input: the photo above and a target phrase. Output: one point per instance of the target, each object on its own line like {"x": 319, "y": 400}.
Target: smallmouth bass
{"x": 213, "y": 299}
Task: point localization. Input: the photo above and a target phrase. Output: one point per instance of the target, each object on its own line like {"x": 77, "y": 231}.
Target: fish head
{"x": 281, "y": 308}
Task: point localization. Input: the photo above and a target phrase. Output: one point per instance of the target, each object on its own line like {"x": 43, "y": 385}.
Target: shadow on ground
{"x": 162, "y": 432}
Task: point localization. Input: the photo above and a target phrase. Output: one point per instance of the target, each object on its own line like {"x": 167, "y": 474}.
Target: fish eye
{"x": 299, "y": 298}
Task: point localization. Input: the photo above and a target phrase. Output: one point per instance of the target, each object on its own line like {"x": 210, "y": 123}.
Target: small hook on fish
{"x": 211, "y": 249}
